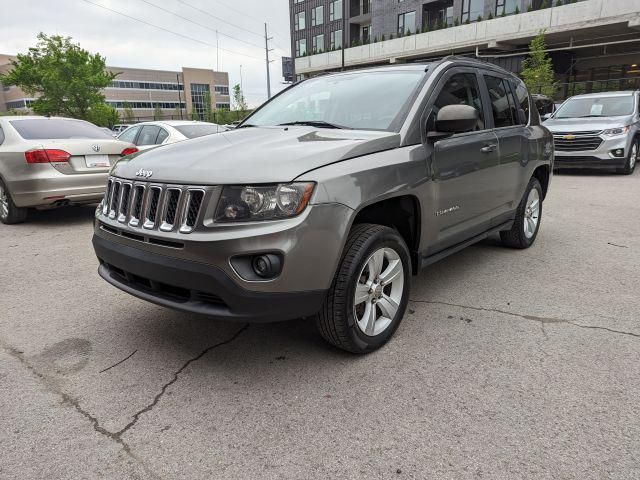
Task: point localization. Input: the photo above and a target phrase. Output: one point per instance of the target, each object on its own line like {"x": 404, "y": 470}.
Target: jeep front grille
{"x": 154, "y": 207}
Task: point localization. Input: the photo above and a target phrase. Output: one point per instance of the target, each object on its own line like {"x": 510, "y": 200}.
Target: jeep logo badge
{"x": 144, "y": 173}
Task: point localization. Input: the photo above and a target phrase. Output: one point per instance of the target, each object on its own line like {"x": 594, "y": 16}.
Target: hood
{"x": 254, "y": 155}
{"x": 586, "y": 124}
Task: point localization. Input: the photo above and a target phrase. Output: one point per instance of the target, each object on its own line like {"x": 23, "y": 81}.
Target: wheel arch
{"x": 543, "y": 174}
{"x": 403, "y": 214}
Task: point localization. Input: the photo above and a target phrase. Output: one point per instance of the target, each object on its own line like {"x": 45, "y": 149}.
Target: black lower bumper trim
{"x": 195, "y": 287}
{"x": 588, "y": 162}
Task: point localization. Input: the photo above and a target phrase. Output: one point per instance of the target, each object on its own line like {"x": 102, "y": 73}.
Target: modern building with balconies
{"x": 594, "y": 44}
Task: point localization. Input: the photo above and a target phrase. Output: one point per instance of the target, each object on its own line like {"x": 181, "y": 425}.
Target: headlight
{"x": 612, "y": 132}
{"x": 263, "y": 202}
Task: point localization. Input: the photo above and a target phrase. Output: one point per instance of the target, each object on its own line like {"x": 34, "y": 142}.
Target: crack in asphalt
{"x": 116, "y": 364}
{"x": 164, "y": 388}
{"x": 541, "y": 320}
{"x": 75, "y": 404}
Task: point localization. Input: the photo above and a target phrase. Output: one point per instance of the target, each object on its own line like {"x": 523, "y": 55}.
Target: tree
{"x": 66, "y": 79}
{"x": 538, "y": 71}
{"x": 129, "y": 116}
{"x": 157, "y": 112}
{"x": 239, "y": 100}
{"x": 103, "y": 115}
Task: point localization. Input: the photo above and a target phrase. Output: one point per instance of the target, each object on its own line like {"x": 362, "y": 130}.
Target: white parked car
{"x": 150, "y": 134}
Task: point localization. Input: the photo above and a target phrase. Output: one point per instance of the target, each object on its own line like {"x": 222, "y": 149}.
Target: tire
{"x": 9, "y": 213}
{"x": 343, "y": 321}
{"x": 522, "y": 235}
{"x": 632, "y": 159}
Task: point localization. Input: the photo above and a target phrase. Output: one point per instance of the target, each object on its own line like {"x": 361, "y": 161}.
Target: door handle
{"x": 489, "y": 148}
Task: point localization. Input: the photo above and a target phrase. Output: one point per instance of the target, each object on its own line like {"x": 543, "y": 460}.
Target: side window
{"x": 129, "y": 135}
{"x": 148, "y": 135}
{"x": 162, "y": 136}
{"x": 522, "y": 98}
{"x": 460, "y": 89}
{"x": 503, "y": 114}
{"x": 1, "y": 136}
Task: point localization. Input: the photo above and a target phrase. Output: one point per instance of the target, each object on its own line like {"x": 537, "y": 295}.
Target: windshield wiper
{"x": 314, "y": 123}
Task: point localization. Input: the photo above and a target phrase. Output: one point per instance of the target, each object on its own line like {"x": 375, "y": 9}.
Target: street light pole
{"x": 344, "y": 28}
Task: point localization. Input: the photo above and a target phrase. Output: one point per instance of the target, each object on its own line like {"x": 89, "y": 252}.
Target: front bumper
{"x": 195, "y": 287}
{"x": 600, "y": 158}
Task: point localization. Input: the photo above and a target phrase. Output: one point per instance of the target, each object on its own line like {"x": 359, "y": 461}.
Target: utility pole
{"x": 179, "y": 95}
{"x": 241, "y": 84}
{"x": 267, "y": 50}
{"x": 217, "y": 53}
{"x": 344, "y": 28}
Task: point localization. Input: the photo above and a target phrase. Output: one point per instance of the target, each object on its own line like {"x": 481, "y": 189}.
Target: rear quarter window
{"x": 57, "y": 129}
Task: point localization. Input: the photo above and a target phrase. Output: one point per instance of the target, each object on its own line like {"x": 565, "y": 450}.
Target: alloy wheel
{"x": 379, "y": 291}
{"x": 4, "y": 203}
{"x": 633, "y": 158}
{"x": 532, "y": 213}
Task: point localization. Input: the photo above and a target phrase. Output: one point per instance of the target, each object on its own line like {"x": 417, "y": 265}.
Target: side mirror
{"x": 457, "y": 119}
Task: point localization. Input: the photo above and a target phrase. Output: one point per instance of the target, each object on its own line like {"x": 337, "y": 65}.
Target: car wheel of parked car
{"x": 370, "y": 292}
{"x": 632, "y": 160}
{"x": 9, "y": 213}
{"x": 527, "y": 223}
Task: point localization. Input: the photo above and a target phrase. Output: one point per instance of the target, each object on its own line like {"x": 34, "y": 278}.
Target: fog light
{"x": 619, "y": 152}
{"x": 266, "y": 266}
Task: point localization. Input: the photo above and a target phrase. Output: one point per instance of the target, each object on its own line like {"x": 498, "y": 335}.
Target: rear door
{"x": 510, "y": 121}
{"x": 463, "y": 165}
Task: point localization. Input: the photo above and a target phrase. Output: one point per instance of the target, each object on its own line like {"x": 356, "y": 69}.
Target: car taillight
{"x": 46, "y": 156}
{"x": 129, "y": 151}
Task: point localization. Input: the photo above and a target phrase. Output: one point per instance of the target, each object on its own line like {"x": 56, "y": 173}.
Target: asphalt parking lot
{"x": 509, "y": 365}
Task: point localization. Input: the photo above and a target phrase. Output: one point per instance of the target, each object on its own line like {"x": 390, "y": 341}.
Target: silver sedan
{"x": 49, "y": 162}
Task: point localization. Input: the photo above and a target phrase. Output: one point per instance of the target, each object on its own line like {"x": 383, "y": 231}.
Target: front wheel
{"x": 632, "y": 160}
{"x": 370, "y": 292}
{"x": 528, "y": 216}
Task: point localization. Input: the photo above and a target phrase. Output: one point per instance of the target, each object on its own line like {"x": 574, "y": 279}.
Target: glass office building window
{"x": 407, "y": 22}
{"x": 222, "y": 89}
{"x": 336, "y": 39}
{"x": 317, "y": 16}
{"x": 506, "y": 7}
{"x": 299, "y": 21}
{"x": 200, "y": 97}
{"x": 472, "y": 10}
{"x": 318, "y": 43}
{"x": 335, "y": 10}
{"x": 301, "y": 47}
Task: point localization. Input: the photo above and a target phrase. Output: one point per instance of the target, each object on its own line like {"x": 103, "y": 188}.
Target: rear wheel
{"x": 370, "y": 292}
{"x": 528, "y": 216}
{"x": 632, "y": 160}
{"x": 9, "y": 213}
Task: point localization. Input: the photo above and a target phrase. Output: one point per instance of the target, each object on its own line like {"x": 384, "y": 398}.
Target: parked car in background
{"x": 326, "y": 199}
{"x": 545, "y": 105}
{"x": 599, "y": 130}
{"x": 150, "y": 134}
{"x": 47, "y": 162}
{"x": 118, "y": 129}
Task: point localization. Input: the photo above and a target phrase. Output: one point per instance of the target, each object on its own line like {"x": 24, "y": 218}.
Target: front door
{"x": 463, "y": 165}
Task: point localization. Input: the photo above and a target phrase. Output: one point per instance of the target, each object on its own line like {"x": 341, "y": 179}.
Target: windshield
{"x": 596, "y": 107}
{"x": 194, "y": 131}
{"x": 366, "y": 101}
{"x": 57, "y": 129}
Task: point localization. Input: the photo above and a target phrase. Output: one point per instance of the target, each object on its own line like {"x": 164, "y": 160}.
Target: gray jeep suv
{"x": 328, "y": 198}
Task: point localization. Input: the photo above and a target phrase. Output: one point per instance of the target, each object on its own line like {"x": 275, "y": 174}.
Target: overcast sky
{"x": 126, "y": 42}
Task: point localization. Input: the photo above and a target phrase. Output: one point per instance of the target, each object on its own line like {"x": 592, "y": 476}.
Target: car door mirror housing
{"x": 457, "y": 119}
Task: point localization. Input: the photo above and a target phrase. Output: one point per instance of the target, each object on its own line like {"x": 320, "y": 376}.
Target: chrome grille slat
{"x": 137, "y": 202}
{"x": 125, "y": 197}
{"x": 115, "y": 199}
{"x": 170, "y": 209}
{"x": 151, "y": 210}
{"x": 161, "y": 207}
